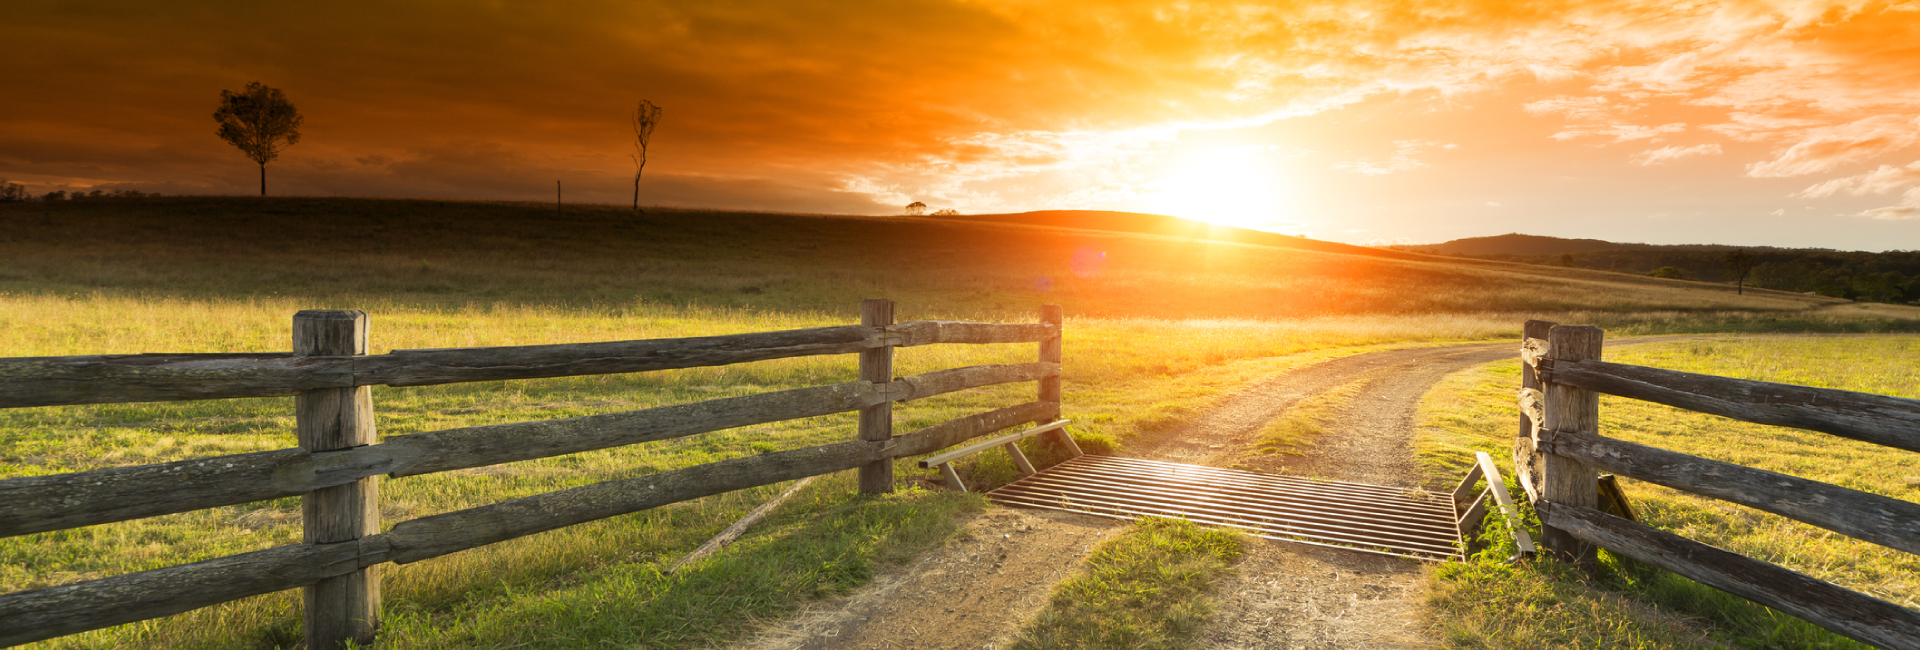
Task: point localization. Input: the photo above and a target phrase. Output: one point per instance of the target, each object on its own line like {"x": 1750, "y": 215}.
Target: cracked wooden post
{"x": 1526, "y": 461}
{"x": 876, "y": 422}
{"x": 1050, "y": 386}
{"x": 344, "y": 608}
{"x": 1566, "y": 482}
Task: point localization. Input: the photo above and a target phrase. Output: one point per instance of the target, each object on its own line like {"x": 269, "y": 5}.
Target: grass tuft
{"x": 1148, "y": 588}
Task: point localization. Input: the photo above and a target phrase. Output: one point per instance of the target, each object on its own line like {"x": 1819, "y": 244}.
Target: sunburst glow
{"x": 1228, "y": 186}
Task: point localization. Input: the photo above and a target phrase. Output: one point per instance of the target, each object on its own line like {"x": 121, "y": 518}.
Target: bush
{"x": 1669, "y": 272}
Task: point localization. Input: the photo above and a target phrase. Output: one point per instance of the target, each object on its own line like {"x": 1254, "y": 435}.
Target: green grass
{"x": 1294, "y": 433}
{"x": 1473, "y": 410}
{"x": 1160, "y": 330}
{"x": 1148, "y": 588}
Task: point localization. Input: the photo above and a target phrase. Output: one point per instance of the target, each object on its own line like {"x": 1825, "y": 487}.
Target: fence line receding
{"x": 338, "y": 464}
{"x": 1559, "y": 449}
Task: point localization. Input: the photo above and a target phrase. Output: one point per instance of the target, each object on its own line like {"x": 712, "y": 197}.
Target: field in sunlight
{"x": 1156, "y": 328}
{"x": 1491, "y": 604}
{"x": 449, "y": 254}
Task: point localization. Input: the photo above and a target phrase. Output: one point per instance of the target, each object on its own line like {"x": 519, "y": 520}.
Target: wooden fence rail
{"x": 1560, "y": 447}
{"x": 338, "y": 463}
{"x": 57, "y": 381}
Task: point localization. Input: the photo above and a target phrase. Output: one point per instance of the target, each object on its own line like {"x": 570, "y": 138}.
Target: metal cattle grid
{"x": 1353, "y": 516}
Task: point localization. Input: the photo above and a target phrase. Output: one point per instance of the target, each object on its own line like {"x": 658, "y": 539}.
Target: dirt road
{"x": 977, "y": 591}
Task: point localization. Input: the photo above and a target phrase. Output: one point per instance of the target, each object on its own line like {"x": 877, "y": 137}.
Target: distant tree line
{"x": 17, "y": 193}
{"x": 1893, "y": 276}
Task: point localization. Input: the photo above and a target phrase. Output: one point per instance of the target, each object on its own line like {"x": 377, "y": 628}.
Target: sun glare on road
{"x": 1230, "y": 187}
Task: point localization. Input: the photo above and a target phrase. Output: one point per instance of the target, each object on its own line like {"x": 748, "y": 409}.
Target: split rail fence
{"x": 338, "y": 462}
{"x": 1559, "y": 448}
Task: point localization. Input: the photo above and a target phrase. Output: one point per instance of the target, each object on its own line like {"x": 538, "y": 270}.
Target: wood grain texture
{"x": 1882, "y": 420}
{"x": 450, "y": 449}
{"x": 947, "y": 381}
{"x": 102, "y": 379}
{"x": 1569, "y": 408}
{"x": 42, "y": 503}
{"x": 876, "y": 422}
{"x": 56, "y": 611}
{"x": 1526, "y": 462}
{"x": 1882, "y": 520}
{"x": 34, "y": 504}
{"x": 430, "y": 537}
{"x": 345, "y": 609}
{"x": 958, "y": 430}
{"x": 928, "y": 332}
{"x": 1050, "y": 352}
{"x": 1854, "y": 615}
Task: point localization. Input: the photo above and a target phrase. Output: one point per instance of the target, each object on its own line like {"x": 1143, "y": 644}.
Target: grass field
{"x": 1489, "y": 604}
{"x": 1157, "y": 327}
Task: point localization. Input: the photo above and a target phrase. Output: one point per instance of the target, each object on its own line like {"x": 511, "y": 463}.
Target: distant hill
{"x": 1518, "y": 244}
{"x": 1169, "y": 226}
{"x": 1893, "y": 276}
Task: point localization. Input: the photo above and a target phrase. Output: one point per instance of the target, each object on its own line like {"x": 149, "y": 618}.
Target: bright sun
{"x": 1231, "y": 187}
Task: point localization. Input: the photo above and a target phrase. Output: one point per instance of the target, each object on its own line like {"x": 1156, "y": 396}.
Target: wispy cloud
{"x": 1909, "y": 208}
{"x": 1886, "y": 179}
{"x": 1672, "y": 153}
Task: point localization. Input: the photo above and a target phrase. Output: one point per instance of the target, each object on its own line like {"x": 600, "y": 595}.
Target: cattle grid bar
{"x": 1353, "y": 516}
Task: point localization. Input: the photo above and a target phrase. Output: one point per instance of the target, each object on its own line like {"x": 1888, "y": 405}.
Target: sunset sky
{"x": 1751, "y": 123}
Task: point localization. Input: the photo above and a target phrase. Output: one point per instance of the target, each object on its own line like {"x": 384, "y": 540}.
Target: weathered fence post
{"x": 1526, "y": 460}
{"x": 1050, "y": 386}
{"x": 876, "y": 422}
{"x": 346, "y": 607}
{"x": 1564, "y": 481}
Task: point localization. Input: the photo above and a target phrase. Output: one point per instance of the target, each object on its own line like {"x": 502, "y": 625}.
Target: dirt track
{"x": 978, "y": 590}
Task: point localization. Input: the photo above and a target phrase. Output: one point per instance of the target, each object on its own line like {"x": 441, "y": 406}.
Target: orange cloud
{"x": 975, "y": 104}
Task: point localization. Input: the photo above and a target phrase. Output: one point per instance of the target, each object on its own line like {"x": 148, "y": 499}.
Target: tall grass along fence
{"x": 1559, "y": 447}
{"x": 338, "y": 462}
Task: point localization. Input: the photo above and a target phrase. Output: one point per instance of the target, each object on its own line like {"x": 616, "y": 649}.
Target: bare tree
{"x": 645, "y": 116}
{"x": 1739, "y": 264}
{"x": 260, "y": 121}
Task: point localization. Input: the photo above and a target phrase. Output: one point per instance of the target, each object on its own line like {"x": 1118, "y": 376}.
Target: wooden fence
{"x": 1559, "y": 448}
{"x": 338, "y": 462}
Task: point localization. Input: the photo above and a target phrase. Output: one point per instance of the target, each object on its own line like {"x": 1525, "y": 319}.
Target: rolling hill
{"x": 337, "y": 251}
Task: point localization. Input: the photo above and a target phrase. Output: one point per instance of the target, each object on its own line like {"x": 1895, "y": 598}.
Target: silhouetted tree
{"x": 946, "y": 212}
{"x": 1739, "y": 263}
{"x": 645, "y": 117}
{"x": 12, "y": 192}
{"x": 260, "y": 121}
{"x": 916, "y": 208}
